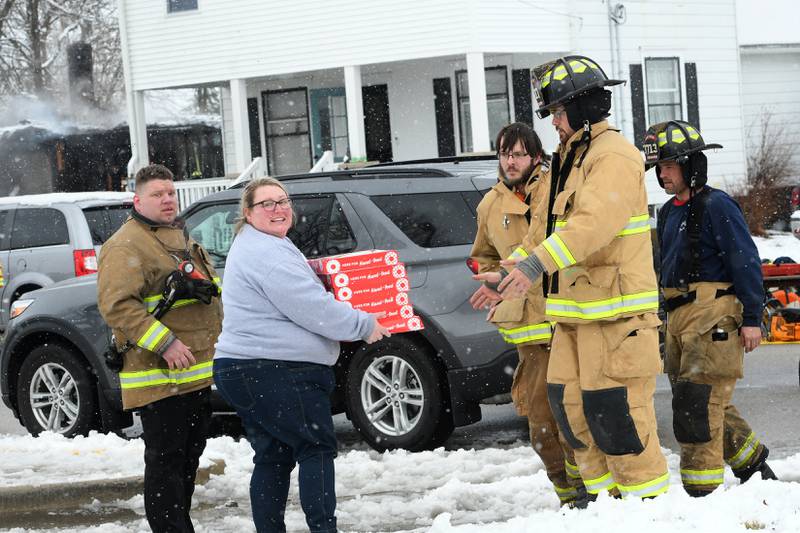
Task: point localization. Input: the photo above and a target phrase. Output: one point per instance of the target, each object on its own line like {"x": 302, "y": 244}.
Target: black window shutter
{"x": 443, "y": 107}
{"x": 253, "y": 122}
{"x": 637, "y": 104}
{"x": 692, "y": 101}
{"x": 523, "y": 105}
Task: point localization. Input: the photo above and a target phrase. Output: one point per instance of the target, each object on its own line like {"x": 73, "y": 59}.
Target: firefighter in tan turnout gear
{"x": 711, "y": 278}
{"x": 504, "y": 218}
{"x": 150, "y": 268}
{"x": 601, "y": 287}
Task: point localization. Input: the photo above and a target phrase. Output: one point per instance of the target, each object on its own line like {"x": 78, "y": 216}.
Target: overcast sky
{"x": 767, "y": 21}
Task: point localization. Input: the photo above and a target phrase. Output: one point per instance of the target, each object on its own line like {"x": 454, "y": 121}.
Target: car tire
{"x": 411, "y": 411}
{"x": 56, "y": 392}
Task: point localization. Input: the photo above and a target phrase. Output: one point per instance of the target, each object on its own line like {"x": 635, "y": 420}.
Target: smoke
{"x": 55, "y": 116}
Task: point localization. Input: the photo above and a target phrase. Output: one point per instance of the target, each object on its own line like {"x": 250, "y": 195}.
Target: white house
{"x": 770, "y": 52}
{"x": 426, "y": 78}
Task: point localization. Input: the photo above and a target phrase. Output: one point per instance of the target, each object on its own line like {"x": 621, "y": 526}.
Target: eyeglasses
{"x": 272, "y": 205}
{"x": 515, "y": 155}
{"x": 558, "y": 114}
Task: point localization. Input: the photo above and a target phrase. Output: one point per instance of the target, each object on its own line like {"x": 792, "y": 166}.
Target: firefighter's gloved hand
{"x": 202, "y": 289}
{"x": 520, "y": 280}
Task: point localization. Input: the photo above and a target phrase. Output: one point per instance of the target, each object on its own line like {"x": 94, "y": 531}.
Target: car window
{"x": 43, "y": 226}
{"x": 431, "y": 220}
{"x": 105, "y": 221}
{"x": 3, "y": 221}
{"x": 320, "y": 228}
{"x": 473, "y": 198}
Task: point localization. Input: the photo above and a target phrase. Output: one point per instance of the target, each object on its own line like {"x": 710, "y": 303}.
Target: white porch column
{"x": 241, "y": 127}
{"x": 355, "y": 114}
{"x": 137, "y": 128}
{"x": 478, "y": 110}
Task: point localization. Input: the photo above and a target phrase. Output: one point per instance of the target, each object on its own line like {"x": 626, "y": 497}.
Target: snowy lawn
{"x": 497, "y": 490}
{"x": 778, "y": 244}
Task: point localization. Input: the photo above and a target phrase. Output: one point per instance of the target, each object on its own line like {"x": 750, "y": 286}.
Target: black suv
{"x": 53, "y": 376}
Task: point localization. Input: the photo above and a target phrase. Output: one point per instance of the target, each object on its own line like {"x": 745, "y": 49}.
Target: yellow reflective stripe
{"x": 745, "y": 452}
{"x": 604, "y": 482}
{"x": 518, "y": 253}
{"x": 565, "y": 494}
{"x": 572, "y": 470}
{"x": 647, "y": 489}
{"x": 164, "y": 376}
{"x": 577, "y": 66}
{"x": 703, "y": 477}
{"x": 692, "y": 133}
{"x": 218, "y": 282}
{"x": 600, "y": 309}
{"x": 662, "y": 138}
{"x": 637, "y": 224}
{"x": 151, "y": 302}
{"x": 558, "y": 251}
{"x": 546, "y": 79}
{"x": 184, "y": 302}
{"x": 559, "y": 73}
{"x": 153, "y": 336}
{"x": 677, "y": 136}
{"x": 533, "y": 332}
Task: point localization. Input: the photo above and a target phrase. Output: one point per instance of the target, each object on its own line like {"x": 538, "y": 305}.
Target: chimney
{"x": 79, "y": 67}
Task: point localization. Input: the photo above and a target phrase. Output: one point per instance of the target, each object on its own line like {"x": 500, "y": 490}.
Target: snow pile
{"x": 778, "y": 244}
{"x": 471, "y": 491}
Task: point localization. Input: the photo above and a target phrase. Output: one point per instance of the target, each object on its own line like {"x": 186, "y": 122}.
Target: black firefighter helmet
{"x": 558, "y": 82}
{"x": 679, "y": 141}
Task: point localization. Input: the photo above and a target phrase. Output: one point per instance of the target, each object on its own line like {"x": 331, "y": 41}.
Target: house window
{"x": 496, "y": 101}
{"x": 173, "y": 6}
{"x": 663, "y": 80}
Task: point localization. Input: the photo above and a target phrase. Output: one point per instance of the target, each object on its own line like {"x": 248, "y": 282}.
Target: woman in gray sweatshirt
{"x": 280, "y": 337}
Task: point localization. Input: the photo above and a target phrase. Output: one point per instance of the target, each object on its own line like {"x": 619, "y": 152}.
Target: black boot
{"x": 583, "y": 499}
{"x": 759, "y": 465}
{"x": 696, "y": 493}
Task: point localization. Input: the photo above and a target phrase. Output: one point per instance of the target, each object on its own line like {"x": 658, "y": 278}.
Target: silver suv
{"x": 45, "y": 238}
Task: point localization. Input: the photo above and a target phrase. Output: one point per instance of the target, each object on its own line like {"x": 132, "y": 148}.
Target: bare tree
{"x": 769, "y": 164}
{"x": 34, "y": 36}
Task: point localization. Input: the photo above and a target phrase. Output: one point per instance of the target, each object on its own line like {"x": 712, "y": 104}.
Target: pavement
{"x": 19, "y": 501}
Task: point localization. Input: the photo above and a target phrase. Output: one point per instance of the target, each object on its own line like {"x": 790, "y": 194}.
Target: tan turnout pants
{"x": 704, "y": 359}
{"x": 529, "y": 392}
{"x": 601, "y": 381}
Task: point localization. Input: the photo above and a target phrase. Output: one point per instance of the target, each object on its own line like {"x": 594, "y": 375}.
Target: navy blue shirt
{"x": 727, "y": 252}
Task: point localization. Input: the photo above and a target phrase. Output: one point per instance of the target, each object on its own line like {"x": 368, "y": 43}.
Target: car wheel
{"x": 55, "y": 392}
{"x": 396, "y": 397}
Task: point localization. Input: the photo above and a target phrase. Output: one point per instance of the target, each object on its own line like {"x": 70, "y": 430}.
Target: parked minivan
{"x": 45, "y": 238}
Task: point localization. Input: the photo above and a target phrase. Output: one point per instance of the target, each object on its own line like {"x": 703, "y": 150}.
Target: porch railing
{"x": 256, "y": 169}
{"x": 192, "y": 190}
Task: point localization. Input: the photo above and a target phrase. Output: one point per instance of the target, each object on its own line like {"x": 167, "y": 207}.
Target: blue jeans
{"x": 285, "y": 408}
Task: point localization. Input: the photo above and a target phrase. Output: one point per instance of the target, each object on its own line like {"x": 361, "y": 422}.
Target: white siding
{"x": 227, "y": 39}
{"x": 701, "y": 32}
{"x": 771, "y": 83}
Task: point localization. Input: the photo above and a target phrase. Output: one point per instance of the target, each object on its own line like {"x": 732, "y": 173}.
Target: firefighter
{"x": 504, "y": 217}
{"x": 601, "y": 287}
{"x": 713, "y": 290}
{"x": 167, "y": 363}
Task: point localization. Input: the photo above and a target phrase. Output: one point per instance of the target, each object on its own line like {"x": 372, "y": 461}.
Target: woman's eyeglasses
{"x": 272, "y": 205}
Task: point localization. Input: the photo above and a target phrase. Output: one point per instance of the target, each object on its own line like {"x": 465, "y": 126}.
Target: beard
{"x": 524, "y": 175}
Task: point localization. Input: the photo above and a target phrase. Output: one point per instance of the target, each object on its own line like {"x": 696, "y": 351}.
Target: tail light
{"x": 795, "y": 198}
{"x": 85, "y": 262}
{"x": 472, "y": 265}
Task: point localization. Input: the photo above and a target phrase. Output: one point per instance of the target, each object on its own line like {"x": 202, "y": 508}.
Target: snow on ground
{"x": 497, "y": 490}
{"x": 778, "y": 244}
